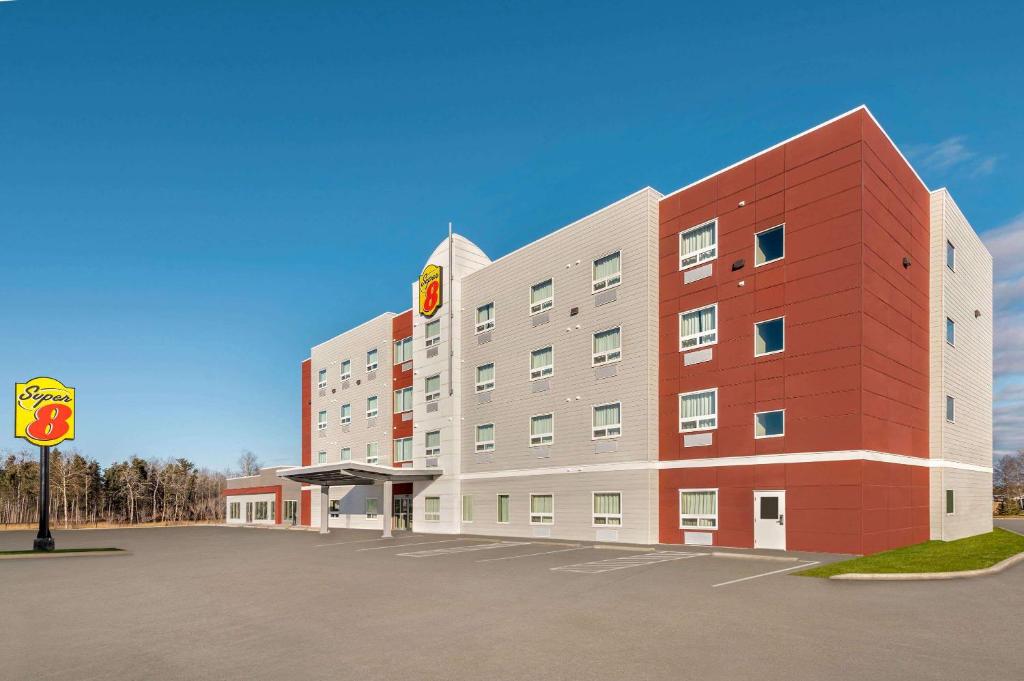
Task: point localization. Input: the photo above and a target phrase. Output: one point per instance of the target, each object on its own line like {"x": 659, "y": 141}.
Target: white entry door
{"x": 770, "y": 520}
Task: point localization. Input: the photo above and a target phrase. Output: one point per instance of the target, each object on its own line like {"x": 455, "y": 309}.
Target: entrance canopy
{"x": 355, "y": 473}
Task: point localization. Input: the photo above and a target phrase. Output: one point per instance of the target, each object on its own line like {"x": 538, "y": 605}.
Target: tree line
{"x": 1008, "y": 483}
{"x": 133, "y": 491}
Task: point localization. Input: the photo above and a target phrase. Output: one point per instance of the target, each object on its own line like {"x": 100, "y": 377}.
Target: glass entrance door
{"x": 401, "y": 512}
{"x": 248, "y": 512}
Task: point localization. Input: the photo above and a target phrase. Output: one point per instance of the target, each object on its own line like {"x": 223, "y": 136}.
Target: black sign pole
{"x": 44, "y": 541}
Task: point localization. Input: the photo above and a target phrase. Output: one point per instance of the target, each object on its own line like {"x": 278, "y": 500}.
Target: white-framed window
{"x": 607, "y": 272}
{"x": 769, "y": 336}
{"x": 607, "y": 421}
{"x": 698, "y": 244}
{"x": 403, "y": 400}
{"x": 950, "y": 408}
{"x": 607, "y": 347}
{"x": 403, "y": 350}
{"x": 504, "y": 508}
{"x": 432, "y": 441}
{"x": 951, "y": 256}
{"x": 950, "y": 331}
{"x": 372, "y": 452}
{"x": 371, "y": 360}
{"x": 346, "y": 453}
{"x": 403, "y": 450}
{"x": 607, "y": 509}
{"x": 542, "y": 509}
{"x": 321, "y": 457}
{"x": 485, "y": 318}
{"x": 432, "y": 509}
{"x": 769, "y": 245}
{"x": 372, "y": 507}
{"x": 432, "y": 388}
{"x": 542, "y": 429}
{"x": 321, "y": 421}
{"x": 542, "y": 363}
{"x": 262, "y": 510}
{"x": 432, "y": 334}
{"x": 346, "y": 414}
{"x": 950, "y": 502}
{"x": 698, "y": 508}
{"x": 467, "y": 508}
{"x": 321, "y": 381}
{"x": 485, "y": 437}
{"x": 346, "y": 369}
{"x": 698, "y": 327}
{"x": 769, "y": 424}
{"x": 371, "y": 407}
{"x": 485, "y": 377}
{"x": 235, "y": 510}
{"x": 542, "y": 296}
{"x": 698, "y": 410}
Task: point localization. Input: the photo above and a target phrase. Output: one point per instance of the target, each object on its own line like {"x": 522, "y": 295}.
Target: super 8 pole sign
{"x": 44, "y": 411}
{"x": 431, "y": 291}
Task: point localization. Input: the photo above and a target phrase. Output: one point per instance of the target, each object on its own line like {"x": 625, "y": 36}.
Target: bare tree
{"x": 248, "y": 464}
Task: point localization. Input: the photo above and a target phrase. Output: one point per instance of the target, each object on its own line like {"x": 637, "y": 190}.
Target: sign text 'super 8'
{"x": 44, "y": 411}
{"x": 431, "y": 290}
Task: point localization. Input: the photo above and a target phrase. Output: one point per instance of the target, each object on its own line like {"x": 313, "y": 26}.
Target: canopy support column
{"x": 325, "y": 507}
{"x": 386, "y": 511}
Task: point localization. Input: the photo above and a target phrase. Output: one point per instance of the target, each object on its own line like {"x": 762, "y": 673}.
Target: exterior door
{"x": 402, "y": 512}
{"x": 248, "y": 511}
{"x": 770, "y": 520}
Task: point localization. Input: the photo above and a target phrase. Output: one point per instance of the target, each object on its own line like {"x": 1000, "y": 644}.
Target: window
{"x": 371, "y": 360}
{"x": 372, "y": 452}
{"x": 346, "y": 369}
{"x": 403, "y": 449}
{"x": 485, "y": 437}
{"x": 334, "y": 507}
{"x": 433, "y": 443}
{"x": 607, "y": 272}
{"x": 291, "y": 510}
{"x": 321, "y": 457}
{"x": 542, "y": 430}
{"x": 769, "y": 245}
{"x": 485, "y": 318}
{"x": 372, "y": 507}
{"x": 432, "y": 388}
{"x": 698, "y": 508}
{"x": 542, "y": 363}
{"x": 698, "y": 244}
{"x": 262, "y": 510}
{"x": 951, "y": 256}
{"x": 403, "y": 350}
{"x": 322, "y": 378}
{"x": 542, "y": 296}
{"x": 403, "y": 400}
{"x": 346, "y": 453}
{"x": 235, "y": 510}
{"x": 371, "y": 407}
{"x": 607, "y": 347}
{"x": 467, "y": 509}
{"x": 950, "y": 502}
{"x": 432, "y": 509}
{"x": 607, "y": 509}
{"x": 770, "y": 424}
{"x": 698, "y": 410}
{"x": 607, "y": 421}
{"x": 542, "y": 509}
{"x": 950, "y": 331}
{"x": 321, "y": 421}
{"x": 769, "y": 336}
{"x": 950, "y": 409}
{"x": 432, "y": 335}
{"x": 503, "y": 508}
{"x": 485, "y": 377}
{"x": 698, "y": 328}
{"x": 346, "y": 413}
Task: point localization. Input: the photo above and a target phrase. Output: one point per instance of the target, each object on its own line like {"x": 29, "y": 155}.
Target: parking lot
{"x": 236, "y": 603}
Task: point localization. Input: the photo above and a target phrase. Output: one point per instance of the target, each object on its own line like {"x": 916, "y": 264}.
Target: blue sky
{"x": 194, "y": 193}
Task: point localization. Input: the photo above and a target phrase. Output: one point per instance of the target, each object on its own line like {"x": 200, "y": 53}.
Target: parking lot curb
{"x": 926, "y": 576}
{"x": 754, "y": 556}
{"x": 45, "y": 555}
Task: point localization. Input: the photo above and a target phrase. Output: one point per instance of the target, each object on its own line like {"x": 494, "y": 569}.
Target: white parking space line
{"x": 402, "y": 546}
{"x": 765, "y": 574}
{"x": 527, "y": 555}
{"x": 625, "y": 562}
{"x": 448, "y": 550}
{"x": 342, "y": 543}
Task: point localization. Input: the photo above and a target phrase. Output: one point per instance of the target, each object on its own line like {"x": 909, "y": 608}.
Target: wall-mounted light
{"x": 977, "y": 313}
{"x": 906, "y": 262}
{"x": 738, "y": 265}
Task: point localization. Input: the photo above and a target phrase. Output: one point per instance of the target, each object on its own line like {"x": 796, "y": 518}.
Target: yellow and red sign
{"x": 431, "y": 290}
{"x": 44, "y": 411}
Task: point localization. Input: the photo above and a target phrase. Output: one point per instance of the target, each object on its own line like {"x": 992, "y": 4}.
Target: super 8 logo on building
{"x": 44, "y": 411}
{"x": 431, "y": 292}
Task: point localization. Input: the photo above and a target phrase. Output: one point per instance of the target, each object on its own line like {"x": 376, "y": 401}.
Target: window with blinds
{"x": 485, "y": 318}
{"x": 607, "y": 509}
{"x": 607, "y": 421}
{"x": 504, "y": 505}
{"x": 371, "y": 360}
{"x": 698, "y": 328}
{"x": 542, "y": 430}
{"x": 698, "y": 508}
{"x": 403, "y": 350}
{"x": 542, "y": 363}
{"x": 485, "y": 377}
{"x": 698, "y": 244}
{"x": 432, "y": 509}
{"x": 346, "y": 369}
{"x": 346, "y": 414}
{"x": 607, "y": 347}
{"x": 432, "y": 334}
{"x": 542, "y": 509}
{"x": 607, "y": 272}
{"x": 485, "y": 437}
{"x": 403, "y": 400}
{"x": 467, "y": 509}
{"x": 371, "y": 407}
{"x": 403, "y": 449}
{"x": 432, "y": 388}
{"x": 432, "y": 442}
{"x": 542, "y": 296}
{"x": 698, "y": 410}
{"x": 372, "y": 452}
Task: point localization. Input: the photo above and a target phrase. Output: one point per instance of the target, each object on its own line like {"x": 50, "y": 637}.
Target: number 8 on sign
{"x": 44, "y": 411}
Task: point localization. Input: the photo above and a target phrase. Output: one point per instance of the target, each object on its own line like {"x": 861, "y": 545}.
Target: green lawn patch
{"x": 970, "y": 553}
{"x": 25, "y": 552}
